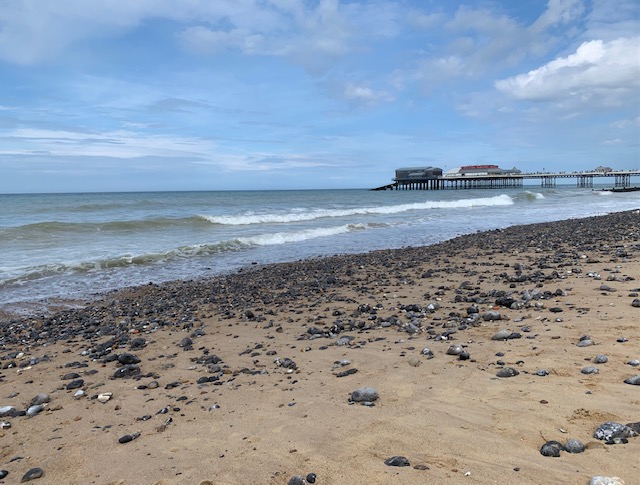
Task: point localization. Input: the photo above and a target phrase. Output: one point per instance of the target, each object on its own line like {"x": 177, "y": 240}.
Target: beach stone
{"x": 455, "y": 349}
{"x": 491, "y": 316}
{"x": 3, "y": 474}
{"x": 600, "y": 480}
{"x": 127, "y": 438}
{"x": 40, "y": 399}
{"x": 601, "y": 359}
{"x": 428, "y": 353}
{"x": 32, "y": 474}
{"x": 585, "y": 343}
{"x": 8, "y": 411}
{"x": 104, "y": 396}
{"x": 137, "y": 343}
{"x": 634, "y": 363}
{"x": 364, "y": 394}
{"x": 634, "y": 381}
{"x": 33, "y": 410}
{"x": 127, "y": 370}
{"x": 311, "y": 478}
{"x": 551, "y": 448}
{"x": 464, "y": 355}
{"x": 69, "y": 376}
{"x": 296, "y": 480}
{"x": 636, "y": 303}
{"x": 75, "y": 384}
{"x": 501, "y": 335}
{"x": 507, "y": 372}
{"x": 127, "y": 358}
{"x": 397, "y": 461}
{"x": 610, "y": 429}
{"x": 590, "y": 370}
{"x": 574, "y": 446}
{"x": 541, "y": 372}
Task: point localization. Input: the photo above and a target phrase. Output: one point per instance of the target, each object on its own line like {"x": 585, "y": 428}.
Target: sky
{"x": 137, "y": 95}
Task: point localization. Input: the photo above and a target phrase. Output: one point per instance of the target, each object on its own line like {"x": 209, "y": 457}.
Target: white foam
{"x": 297, "y": 216}
{"x": 298, "y": 236}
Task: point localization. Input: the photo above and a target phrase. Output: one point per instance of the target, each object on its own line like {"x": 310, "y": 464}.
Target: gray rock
{"x": 296, "y": 480}
{"x": 574, "y": 446}
{"x": 585, "y": 343}
{"x": 368, "y": 394}
{"x": 634, "y": 363}
{"x": 427, "y": 352}
{"x": 501, "y": 335}
{"x": 33, "y": 410}
{"x": 634, "y": 381}
{"x": 7, "y": 411}
{"x": 600, "y": 359}
{"x": 32, "y": 474}
{"x": 491, "y": 316}
{"x": 455, "y": 349}
{"x": 551, "y": 448}
{"x": 541, "y": 372}
{"x": 636, "y": 303}
{"x": 609, "y": 430}
{"x": 600, "y": 480}
{"x": 40, "y": 399}
{"x": 507, "y": 372}
{"x": 590, "y": 370}
{"x": 397, "y": 461}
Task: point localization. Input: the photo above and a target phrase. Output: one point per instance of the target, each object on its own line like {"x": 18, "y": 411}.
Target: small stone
{"x": 296, "y": 480}
{"x": 599, "y": 480}
{"x": 32, "y": 474}
{"x": 127, "y": 370}
{"x": 8, "y": 411}
{"x": 104, "y": 396}
{"x": 634, "y": 363}
{"x": 551, "y": 448}
{"x": 491, "y": 316}
{"x": 501, "y": 335}
{"x": 414, "y": 361}
{"x": 127, "y": 438}
{"x": 574, "y": 446}
{"x": 311, "y": 478}
{"x": 590, "y": 370}
{"x": 33, "y": 410}
{"x": 364, "y": 394}
{"x": 611, "y": 429}
{"x": 541, "y": 373}
{"x": 585, "y": 343}
{"x": 40, "y": 399}
{"x": 636, "y": 303}
{"x": 455, "y": 349}
{"x": 75, "y": 384}
{"x": 507, "y": 372}
{"x": 556, "y": 309}
{"x": 600, "y": 359}
{"x": 3, "y": 474}
{"x": 397, "y": 461}
{"x": 634, "y": 381}
{"x": 127, "y": 358}
{"x": 427, "y": 352}
{"x": 464, "y": 355}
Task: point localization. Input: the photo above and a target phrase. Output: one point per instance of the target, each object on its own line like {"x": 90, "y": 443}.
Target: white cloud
{"x": 360, "y": 94}
{"x": 602, "y": 72}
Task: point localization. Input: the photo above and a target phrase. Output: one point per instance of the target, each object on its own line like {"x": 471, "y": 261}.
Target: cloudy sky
{"x": 125, "y": 95}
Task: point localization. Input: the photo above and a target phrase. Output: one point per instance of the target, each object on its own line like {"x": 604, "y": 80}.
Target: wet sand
{"x": 260, "y": 419}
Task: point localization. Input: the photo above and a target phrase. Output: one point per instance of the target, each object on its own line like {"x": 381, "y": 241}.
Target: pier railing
{"x": 622, "y": 180}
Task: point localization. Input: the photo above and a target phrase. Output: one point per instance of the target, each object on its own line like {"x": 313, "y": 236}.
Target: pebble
{"x": 33, "y": 410}
{"x": 501, "y": 335}
{"x": 634, "y": 381}
{"x": 428, "y": 353}
{"x": 3, "y": 474}
{"x": 551, "y": 448}
{"x": 491, "y": 316}
{"x": 104, "y": 396}
{"x": 32, "y": 474}
{"x": 611, "y": 429}
{"x": 590, "y": 370}
{"x": 600, "y": 359}
{"x": 507, "y": 372}
{"x": 414, "y": 361}
{"x": 574, "y": 446}
{"x": 636, "y": 303}
{"x": 364, "y": 394}
{"x": 75, "y": 384}
{"x": 585, "y": 343}
{"x": 7, "y": 411}
{"x": 40, "y": 399}
{"x": 311, "y": 478}
{"x": 397, "y": 461}
{"x": 634, "y": 363}
{"x": 128, "y": 437}
{"x": 599, "y": 480}
{"x": 541, "y": 373}
{"x": 296, "y": 480}
{"x": 455, "y": 349}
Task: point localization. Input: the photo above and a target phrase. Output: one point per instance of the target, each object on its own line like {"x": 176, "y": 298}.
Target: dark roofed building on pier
{"x": 417, "y": 177}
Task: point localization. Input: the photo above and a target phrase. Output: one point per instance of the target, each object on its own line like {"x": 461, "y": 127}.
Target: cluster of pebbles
{"x": 113, "y": 333}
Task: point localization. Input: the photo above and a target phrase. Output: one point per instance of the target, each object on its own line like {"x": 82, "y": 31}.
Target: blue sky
{"x": 120, "y": 95}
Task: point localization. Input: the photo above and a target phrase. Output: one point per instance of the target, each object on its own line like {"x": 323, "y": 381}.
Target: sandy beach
{"x": 249, "y": 378}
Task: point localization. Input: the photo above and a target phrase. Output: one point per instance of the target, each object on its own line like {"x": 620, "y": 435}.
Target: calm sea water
{"x": 75, "y": 245}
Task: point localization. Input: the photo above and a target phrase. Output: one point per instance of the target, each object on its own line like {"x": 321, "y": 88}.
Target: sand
{"x": 261, "y": 423}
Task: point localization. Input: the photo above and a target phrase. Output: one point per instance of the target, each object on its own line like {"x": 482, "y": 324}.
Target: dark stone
{"x": 138, "y": 343}
{"x": 634, "y": 381}
{"x": 70, "y": 375}
{"x": 347, "y": 372}
{"x": 76, "y": 384}
{"x": 296, "y": 480}
{"x": 126, "y": 358}
{"x": 574, "y": 446}
{"x": 551, "y": 448}
{"x": 364, "y": 394}
{"x": 507, "y": 372}
{"x": 311, "y": 478}
{"x": 397, "y": 461}
{"x": 32, "y": 474}
{"x": 127, "y": 371}
{"x": 3, "y": 474}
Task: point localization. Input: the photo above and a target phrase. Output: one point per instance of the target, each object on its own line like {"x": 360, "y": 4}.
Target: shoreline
{"x": 228, "y": 406}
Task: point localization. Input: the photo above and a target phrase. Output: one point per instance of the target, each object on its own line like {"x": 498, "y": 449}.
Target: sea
{"x": 67, "y": 248}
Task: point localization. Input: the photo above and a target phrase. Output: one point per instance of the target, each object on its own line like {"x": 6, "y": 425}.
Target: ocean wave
{"x": 185, "y": 252}
{"x": 533, "y": 195}
{"x": 313, "y": 214}
{"x": 59, "y": 229}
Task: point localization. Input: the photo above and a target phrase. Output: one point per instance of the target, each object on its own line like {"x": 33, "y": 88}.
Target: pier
{"x": 429, "y": 179}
